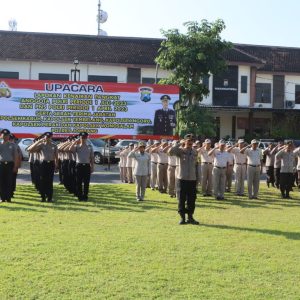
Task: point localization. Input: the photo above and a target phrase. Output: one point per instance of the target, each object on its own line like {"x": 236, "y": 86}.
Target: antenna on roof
{"x": 12, "y": 23}
{"x": 101, "y": 18}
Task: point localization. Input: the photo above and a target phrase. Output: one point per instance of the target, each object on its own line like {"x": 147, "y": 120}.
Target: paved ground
{"x": 101, "y": 174}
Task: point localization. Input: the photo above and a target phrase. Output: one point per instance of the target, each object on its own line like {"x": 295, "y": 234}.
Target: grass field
{"x": 116, "y": 248}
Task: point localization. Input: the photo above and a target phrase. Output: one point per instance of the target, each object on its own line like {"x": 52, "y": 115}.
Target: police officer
{"x": 84, "y": 157}
{"x": 49, "y": 162}
{"x": 270, "y": 160}
{"x": 164, "y": 119}
{"x": 186, "y": 179}
{"x": 8, "y": 166}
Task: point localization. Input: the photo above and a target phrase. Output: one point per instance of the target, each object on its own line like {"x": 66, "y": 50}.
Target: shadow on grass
{"x": 101, "y": 197}
{"x": 286, "y": 234}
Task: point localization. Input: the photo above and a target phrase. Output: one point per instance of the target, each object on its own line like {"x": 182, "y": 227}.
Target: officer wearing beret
{"x": 164, "y": 119}
{"x": 49, "y": 163}
{"x": 8, "y": 166}
{"x": 84, "y": 157}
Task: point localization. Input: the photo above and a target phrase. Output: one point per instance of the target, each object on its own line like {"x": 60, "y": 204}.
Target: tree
{"x": 193, "y": 56}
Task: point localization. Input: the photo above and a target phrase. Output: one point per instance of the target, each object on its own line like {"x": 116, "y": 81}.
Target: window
{"x": 9, "y": 75}
{"x": 244, "y": 84}
{"x": 103, "y": 78}
{"x": 263, "y": 92}
{"x": 150, "y": 80}
{"x": 133, "y": 75}
{"x": 49, "y": 76}
{"x": 297, "y": 94}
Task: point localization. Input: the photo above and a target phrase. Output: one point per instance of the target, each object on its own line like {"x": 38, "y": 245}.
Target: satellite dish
{"x": 102, "y": 16}
{"x": 103, "y": 32}
{"x": 12, "y": 23}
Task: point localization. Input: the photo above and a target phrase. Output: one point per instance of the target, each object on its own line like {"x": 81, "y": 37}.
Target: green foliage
{"x": 286, "y": 125}
{"x": 115, "y": 248}
{"x": 193, "y": 56}
{"x": 197, "y": 120}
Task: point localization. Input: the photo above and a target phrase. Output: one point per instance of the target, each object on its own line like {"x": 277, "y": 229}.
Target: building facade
{"x": 260, "y": 88}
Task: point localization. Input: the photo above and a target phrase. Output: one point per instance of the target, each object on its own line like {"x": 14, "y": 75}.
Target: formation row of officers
{"x": 178, "y": 168}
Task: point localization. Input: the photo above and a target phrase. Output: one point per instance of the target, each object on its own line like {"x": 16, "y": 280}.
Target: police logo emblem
{"x": 4, "y": 90}
{"x": 145, "y": 93}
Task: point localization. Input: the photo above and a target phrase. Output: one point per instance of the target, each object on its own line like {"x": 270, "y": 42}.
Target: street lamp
{"x": 75, "y": 71}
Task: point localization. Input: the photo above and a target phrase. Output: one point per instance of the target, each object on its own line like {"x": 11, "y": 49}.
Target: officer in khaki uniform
{"x": 49, "y": 164}
{"x": 8, "y": 166}
{"x": 254, "y": 168}
{"x": 84, "y": 157}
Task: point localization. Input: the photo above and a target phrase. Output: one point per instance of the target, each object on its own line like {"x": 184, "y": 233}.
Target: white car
{"x": 24, "y": 144}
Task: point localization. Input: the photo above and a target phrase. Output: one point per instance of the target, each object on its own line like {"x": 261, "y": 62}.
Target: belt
{"x": 153, "y": 162}
{"x": 172, "y": 166}
{"x": 207, "y": 163}
{"x": 82, "y": 164}
{"x": 240, "y": 164}
{"x": 254, "y": 166}
{"x": 230, "y": 165}
{"x": 220, "y": 167}
{"x": 48, "y": 161}
{"x": 162, "y": 164}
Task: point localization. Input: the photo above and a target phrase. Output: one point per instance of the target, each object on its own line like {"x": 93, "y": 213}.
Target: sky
{"x": 261, "y": 22}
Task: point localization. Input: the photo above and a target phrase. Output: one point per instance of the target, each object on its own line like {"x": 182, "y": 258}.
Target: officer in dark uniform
{"x": 12, "y": 139}
{"x": 164, "y": 119}
{"x": 84, "y": 157}
{"x": 8, "y": 165}
{"x": 49, "y": 163}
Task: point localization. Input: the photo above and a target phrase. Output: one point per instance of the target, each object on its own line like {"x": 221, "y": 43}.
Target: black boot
{"x": 192, "y": 221}
{"x": 182, "y": 221}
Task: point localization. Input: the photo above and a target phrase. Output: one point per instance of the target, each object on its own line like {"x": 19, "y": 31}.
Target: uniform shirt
{"x": 270, "y": 158}
{"x": 187, "y": 159}
{"x": 221, "y": 158}
{"x": 154, "y": 157}
{"x": 205, "y": 158}
{"x": 162, "y": 157}
{"x": 142, "y": 163}
{"x": 277, "y": 161}
{"x": 172, "y": 161}
{"x": 129, "y": 161}
{"x": 8, "y": 151}
{"x": 239, "y": 158}
{"x": 31, "y": 157}
{"x": 84, "y": 154}
{"x": 231, "y": 159}
{"x": 287, "y": 161}
{"x": 164, "y": 122}
{"x": 297, "y": 152}
{"x": 254, "y": 156}
{"x": 47, "y": 151}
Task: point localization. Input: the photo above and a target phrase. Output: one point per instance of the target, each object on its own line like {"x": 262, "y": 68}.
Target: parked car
{"x": 102, "y": 151}
{"x": 24, "y": 144}
{"x": 124, "y": 143}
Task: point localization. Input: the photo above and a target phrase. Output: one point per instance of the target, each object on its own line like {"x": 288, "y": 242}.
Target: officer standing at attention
{"x": 270, "y": 160}
{"x": 49, "y": 163}
{"x": 8, "y": 166}
{"x": 221, "y": 161}
{"x": 254, "y": 169}
{"x": 186, "y": 179}
{"x": 84, "y": 165}
{"x": 164, "y": 119}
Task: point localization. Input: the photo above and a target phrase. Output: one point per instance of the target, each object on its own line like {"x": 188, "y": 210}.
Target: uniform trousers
{"x": 277, "y": 177}
{"x": 270, "y": 175}
{"x": 60, "y": 171}
{"x": 198, "y": 173}
{"x": 141, "y": 183}
{"x": 229, "y": 175}
{"x": 240, "y": 176}
{"x": 206, "y": 181}
{"x": 37, "y": 174}
{"x": 129, "y": 174}
{"x": 171, "y": 180}
{"x": 72, "y": 177}
{"x": 219, "y": 178}
{"x": 6, "y": 180}
{"x": 162, "y": 177}
{"x": 253, "y": 176}
{"x": 123, "y": 174}
{"x": 153, "y": 178}
{"x": 47, "y": 174}
{"x": 32, "y": 173}
{"x": 186, "y": 193}
{"x": 286, "y": 183}
{"x": 83, "y": 172}
{"x": 66, "y": 173}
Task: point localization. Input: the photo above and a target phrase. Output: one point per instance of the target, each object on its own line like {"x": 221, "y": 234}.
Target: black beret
{"x": 5, "y": 131}
{"x": 48, "y": 134}
{"x": 189, "y": 136}
{"x": 165, "y": 97}
{"x": 83, "y": 134}
{"x": 12, "y": 136}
